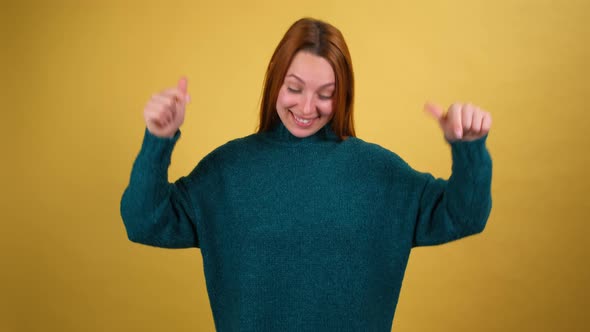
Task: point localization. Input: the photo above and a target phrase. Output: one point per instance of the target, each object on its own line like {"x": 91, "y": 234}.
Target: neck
{"x": 280, "y": 133}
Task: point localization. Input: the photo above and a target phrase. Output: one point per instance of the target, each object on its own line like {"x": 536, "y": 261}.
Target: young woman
{"x": 303, "y": 226}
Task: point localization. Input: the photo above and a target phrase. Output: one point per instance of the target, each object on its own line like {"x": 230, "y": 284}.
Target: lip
{"x": 301, "y": 124}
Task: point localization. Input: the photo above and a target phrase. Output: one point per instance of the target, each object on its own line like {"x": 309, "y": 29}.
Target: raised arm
{"x": 459, "y": 207}
{"x": 156, "y": 212}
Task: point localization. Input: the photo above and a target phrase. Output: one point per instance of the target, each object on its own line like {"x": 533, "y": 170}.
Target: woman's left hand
{"x": 461, "y": 122}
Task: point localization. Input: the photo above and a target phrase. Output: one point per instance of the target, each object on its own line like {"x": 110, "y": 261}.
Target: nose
{"x": 308, "y": 106}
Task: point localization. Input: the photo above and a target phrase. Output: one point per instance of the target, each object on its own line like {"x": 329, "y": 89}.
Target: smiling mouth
{"x": 301, "y": 121}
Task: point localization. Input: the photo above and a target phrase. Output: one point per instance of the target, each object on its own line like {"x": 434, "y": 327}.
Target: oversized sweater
{"x": 304, "y": 234}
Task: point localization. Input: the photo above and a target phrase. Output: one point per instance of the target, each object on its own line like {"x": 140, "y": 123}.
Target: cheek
{"x": 285, "y": 100}
{"x": 326, "y": 107}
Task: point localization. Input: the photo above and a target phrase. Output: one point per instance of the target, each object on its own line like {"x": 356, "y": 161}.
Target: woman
{"x": 302, "y": 226}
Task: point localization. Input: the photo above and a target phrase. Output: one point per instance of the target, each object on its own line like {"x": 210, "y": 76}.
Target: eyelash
{"x": 299, "y": 91}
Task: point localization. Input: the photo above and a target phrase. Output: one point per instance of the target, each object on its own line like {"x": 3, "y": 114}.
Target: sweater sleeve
{"x": 156, "y": 212}
{"x": 460, "y": 206}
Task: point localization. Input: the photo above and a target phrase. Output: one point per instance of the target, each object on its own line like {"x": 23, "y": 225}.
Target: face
{"x": 305, "y": 101}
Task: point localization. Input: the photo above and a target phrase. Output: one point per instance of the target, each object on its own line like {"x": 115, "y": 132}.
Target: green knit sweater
{"x": 309, "y": 234}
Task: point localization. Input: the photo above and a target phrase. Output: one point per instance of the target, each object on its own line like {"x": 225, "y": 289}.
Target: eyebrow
{"x": 302, "y": 81}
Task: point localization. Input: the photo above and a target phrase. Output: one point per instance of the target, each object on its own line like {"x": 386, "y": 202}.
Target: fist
{"x": 461, "y": 122}
{"x": 164, "y": 112}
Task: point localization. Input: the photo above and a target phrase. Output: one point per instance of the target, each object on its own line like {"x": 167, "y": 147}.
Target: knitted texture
{"x": 309, "y": 234}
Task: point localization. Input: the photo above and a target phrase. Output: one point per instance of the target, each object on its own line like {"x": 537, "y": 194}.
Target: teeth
{"x": 302, "y": 120}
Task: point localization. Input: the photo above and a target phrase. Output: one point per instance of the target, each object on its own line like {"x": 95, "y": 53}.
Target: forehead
{"x": 312, "y": 69}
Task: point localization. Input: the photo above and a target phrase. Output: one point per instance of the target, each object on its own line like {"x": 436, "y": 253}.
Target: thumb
{"x": 434, "y": 110}
{"x": 183, "y": 86}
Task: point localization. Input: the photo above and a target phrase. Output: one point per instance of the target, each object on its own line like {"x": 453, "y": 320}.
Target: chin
{"x": 302, "y": 133}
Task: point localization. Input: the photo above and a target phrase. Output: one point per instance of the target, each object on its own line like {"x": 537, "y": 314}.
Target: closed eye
{"x": 293, "y": 90}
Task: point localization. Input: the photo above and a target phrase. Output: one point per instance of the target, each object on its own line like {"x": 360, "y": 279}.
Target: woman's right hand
{"x": 164, "y": 112}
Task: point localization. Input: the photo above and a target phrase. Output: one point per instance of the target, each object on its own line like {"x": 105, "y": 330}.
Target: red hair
{"x": 321, "y": 39}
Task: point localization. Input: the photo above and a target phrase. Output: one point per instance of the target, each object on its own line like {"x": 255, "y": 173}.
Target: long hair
{"x": 321, "y": 39}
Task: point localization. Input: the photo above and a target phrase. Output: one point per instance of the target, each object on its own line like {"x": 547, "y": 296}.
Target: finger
{"x": 173, "y": 100}
{"x": 486, "y": 123}
{"x": 183, "y": 84}
{"x": 467, "y": 117}
{"x": 161, "y": 114}
{"x": 165, "y": 101}
{"x": 175, "y": 93}
{"x": 183, "y": 88}
{"x": 454, "y": 124}
{"x": 477, "y": 121}
{"x": 152, "y": 117}
{"x": 160, "y": 107}
{"x": 434, "y": 110}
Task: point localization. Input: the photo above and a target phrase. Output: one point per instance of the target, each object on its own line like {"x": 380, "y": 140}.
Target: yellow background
{"x": 76, "y": 76}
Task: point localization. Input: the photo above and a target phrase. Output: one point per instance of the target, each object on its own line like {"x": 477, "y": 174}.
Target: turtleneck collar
{"x": 281, "y": 134}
